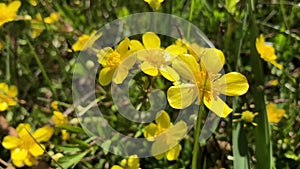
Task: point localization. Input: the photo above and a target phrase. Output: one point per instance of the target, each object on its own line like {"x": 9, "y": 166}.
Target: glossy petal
{"x": 120, "y": 74}
{"x": 133, "y": 162}
{"x": 176, "y": 50}
{"x": 123, "y": 46}
{"x": 43, "y": 134}
{"x": 136, "y": 45}
{"x": 29, "y": 161}
{"x": 150, "y": 131}
{"x": 232, "y": 84}
{"x": 19, "y": 154}
{"x": 105, "y": 76}
{"x": 116, "y": 167}
{"x": 23, "y": 130}
{"x": 169, "y": 73}
{"x": 149, "y": 69}
{"x": 218, "y": 106}
{"x": 173, "y": 153}
{"x": 18, "y": 163}
{"x": 10, "y": 142}
{"x": 3, "y": 106}
{"x": 176, "y": 133}
{"x": 163, "y": 120}
{"x": 151, "y": 40}
{"x": 36, "y": 149}
{"x": 212, "y": 59}
{"x": 182, "y": 96}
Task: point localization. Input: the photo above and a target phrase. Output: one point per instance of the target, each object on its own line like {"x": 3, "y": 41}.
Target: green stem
{"x": 7, "y": 62}
{"x": 41, "y": 67}
{"x": 262, "y": 131}
{"x": 195, "y": 159}
{"x": 190, "y": 17}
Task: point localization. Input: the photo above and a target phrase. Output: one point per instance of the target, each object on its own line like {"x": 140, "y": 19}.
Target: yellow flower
{"x": 7, "y": 96}
{"x": 8, "y": 12}
{"x": 205, "y": 81}
{"x": 274, "y": 115}
{"x": 267, "y": 52}
{"x": 133, "y": 162}
{"x": 272, "y": 82}
{"x": 111, "y": 61}
{"x": 54, "y": 17}
{"x": 246, "y": 116}
{"x": 54, "y": 105}
{"x": 60, "y": 119}
{"x": 165, "y": 136}
{"x": 155, "y": 4}
{"x": 26, "y": 146}
{"x": 85, "y": 41}
{"x": 33, "y": 2}
{"x": 155, "y": 59}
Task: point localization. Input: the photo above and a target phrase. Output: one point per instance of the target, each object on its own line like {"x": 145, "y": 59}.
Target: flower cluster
{"x": 194, "y": 71}
{"x": 132, "y": 162}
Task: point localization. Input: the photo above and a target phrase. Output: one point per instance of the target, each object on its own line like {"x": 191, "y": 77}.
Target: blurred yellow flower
{"x": 27, "y": 146}
{"x": 246, "y": 116}
{"x": 54, "y": 17}
{"x": 33, "y": 2}
{"x": 85, "y": 41}
{"x": 8, "y": 12}
{"x": 154, "y": 59}
{"x": 273, "y": 82}
{"x": 60, "y": 119}
{"x": 54, "y": 105}
{"x": 7, "y": 96}
{"x": 111, "y": 61}
{"x": 267, "y": 52}
{"x": 165, "y": 136}
{"x": 155, "y": 4}
{"x": 274, "y": 115}
{"x": 205, "y": 81}
{"x": 38, "y": 26}
{"x": 133, "y": 162}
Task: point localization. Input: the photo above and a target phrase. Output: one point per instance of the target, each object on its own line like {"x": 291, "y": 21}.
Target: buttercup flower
{"x": 274, "y": 115}
{"x": 60, "y": 119}
{"x": 155, "y": 4}
{"x": 267, "y": 52}
{"x": 165, "y": 136}
{"x": 133, "y": 162}
{"x": 7, "y": 96}
{"x": 204, "y": 81}
{"x": 111, "y": 61}
{"x": 246, "y": 116}
{"x": 38, "y": 26}
{"x": 8, "y": 12}
{"x": 154, "y": 59}
{"x": 54, "y": 17}
{"x": 26, "y": 146}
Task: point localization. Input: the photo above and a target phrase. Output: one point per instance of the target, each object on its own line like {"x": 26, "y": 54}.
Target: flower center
{"x": 113, "y": 59}
{"x": 203, "y": 84}
{"x": 247, "y": 116}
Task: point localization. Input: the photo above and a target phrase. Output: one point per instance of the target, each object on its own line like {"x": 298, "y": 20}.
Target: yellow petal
{"x": 19, "y": 154}
{"x": 18, "y": 163}
{"x": 14, "y": 6}
{"x": 149, "y": 69}
{"x": 176, "y": 50}
{"x": 212, "y": 59}
{"x": 123, "y": 46}
{"x": 120, "y": 75}
{"x": 190, "y": 61}
{"x": 3, "y": 106}
{"x": 151, "y": 40}
{"x": 150, "y": 131}
{"x": 182, "y": 96}
{"x": 23, "y": 130}
{"x": 4, "y": 87}
{"x": 218, "y": 106}
{"x": 116, "y": 167}
{"x": 136, "y": 45}
{"x": 105, "y": 76}
{"x": 133, "y": 162}
{"x": 29, "y": 161}
{"x": 65, "y": 135}
{"x": 43, "y": 134}
{"x": 279, "y": 66}
{"x": 163, "y": 120}
{"x": 36, "y": 149}
{"x": 176, "y": 133}
{"x": 232, "y": 84}
{"x": 173, "y": 153}
{"x": 13, "y": 91}
{"x": 10, "y": 142}
{"x": 169, "y": 73}
{"x": 158, "y": 150}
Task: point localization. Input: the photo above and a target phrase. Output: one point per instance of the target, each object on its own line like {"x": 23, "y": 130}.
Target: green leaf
{"x": 71, "y": 160}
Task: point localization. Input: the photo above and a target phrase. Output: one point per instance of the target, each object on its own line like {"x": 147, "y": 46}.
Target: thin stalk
{"x": 191, "y": 17}
{"x": 41, "y": 67}
{"x": 195, "y": 159}
{"x": 7, "y": 61}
